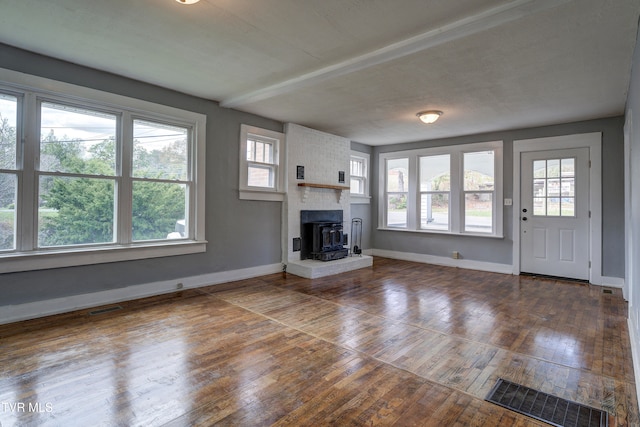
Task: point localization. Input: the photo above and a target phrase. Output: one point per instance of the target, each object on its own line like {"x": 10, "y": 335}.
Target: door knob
{"x": 524, "y": 218}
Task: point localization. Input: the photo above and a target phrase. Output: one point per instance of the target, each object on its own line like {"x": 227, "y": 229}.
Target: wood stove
{"x": 322, "y": 236}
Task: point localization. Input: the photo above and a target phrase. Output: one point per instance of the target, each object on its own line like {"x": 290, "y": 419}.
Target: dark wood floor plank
{"x": 397, "y": 344}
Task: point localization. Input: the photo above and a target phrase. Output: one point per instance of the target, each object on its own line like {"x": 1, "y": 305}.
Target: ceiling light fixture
{"x": 187, "y": 1}
{"x": 429, "y": 116}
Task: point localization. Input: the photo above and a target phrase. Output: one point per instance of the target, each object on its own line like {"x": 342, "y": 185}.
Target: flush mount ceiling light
{"x": 187, "y": 1}
{"x": 429, "y": 116}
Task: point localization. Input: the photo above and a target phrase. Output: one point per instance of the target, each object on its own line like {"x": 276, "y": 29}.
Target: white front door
{"x": 554, "y": 213}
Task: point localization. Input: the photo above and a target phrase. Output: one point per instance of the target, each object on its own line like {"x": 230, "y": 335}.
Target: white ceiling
{"x": 360, "y": 69}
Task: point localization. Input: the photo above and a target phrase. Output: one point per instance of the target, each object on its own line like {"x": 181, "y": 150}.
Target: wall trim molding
{"x": 32, "y": 310}
{"x": 635, "y": 345}
{"x": 449, "y": 262}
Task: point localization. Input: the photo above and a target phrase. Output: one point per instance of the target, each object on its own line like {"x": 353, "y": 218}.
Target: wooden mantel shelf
{"x": 308, "y": 186}
{"x": 332, "y": 187}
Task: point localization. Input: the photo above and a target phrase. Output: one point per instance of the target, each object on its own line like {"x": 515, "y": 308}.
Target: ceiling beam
{"x": 465, "y": 27}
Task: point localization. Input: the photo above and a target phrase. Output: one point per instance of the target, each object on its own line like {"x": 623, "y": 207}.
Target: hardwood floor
{"x": 398, "y": 344}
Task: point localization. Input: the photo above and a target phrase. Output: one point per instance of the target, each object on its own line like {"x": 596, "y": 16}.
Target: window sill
{"x": 69, "y": 257}
{"x": 269, "y": 196}
{"x": 444, "y": 233}
{"x": 359, "y": 199}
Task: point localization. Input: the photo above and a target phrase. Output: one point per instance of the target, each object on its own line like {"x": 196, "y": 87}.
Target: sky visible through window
{"x": 91, "y": 127}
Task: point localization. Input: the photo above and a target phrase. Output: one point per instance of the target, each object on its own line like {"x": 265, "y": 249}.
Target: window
{"x": 479, "y": 171}
{"x": 97, "y": 174}
{"x": 261, "y": 154}
{"x": 435, "y": 192}
{"x": 397, "y": 190}
{"x": 554, "y": 187}
{"x": 359, "y": 177}
{"x": 452, "y": 189}
{"x": 8, "y": 170}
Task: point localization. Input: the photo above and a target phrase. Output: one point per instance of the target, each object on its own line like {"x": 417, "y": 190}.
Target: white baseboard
{"x": 32, "y": 310}
{"x": 613, "y": 282}
{"x": 449, "y": 262}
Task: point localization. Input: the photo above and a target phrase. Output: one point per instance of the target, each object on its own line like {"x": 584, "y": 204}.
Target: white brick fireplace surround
{"x": 323, "y": 157}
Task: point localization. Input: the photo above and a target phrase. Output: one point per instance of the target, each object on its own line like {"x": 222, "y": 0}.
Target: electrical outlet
{"x": 455, "y": 255}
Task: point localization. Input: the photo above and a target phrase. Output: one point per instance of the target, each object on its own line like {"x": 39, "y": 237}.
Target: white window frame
{"x": 27, "y": 256}
{"x": 277, "y": 192}
{"x": 456, "y": 202}
{"x": 361, "y": 198}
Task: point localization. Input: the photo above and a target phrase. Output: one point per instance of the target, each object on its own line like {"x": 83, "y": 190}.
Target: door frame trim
{"x": 592, "y": 141}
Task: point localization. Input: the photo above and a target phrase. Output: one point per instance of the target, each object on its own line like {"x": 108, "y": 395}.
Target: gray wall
{"x": 500, "y": 250}
{"x": 241, "y": 233}
{"x": 244, "y": 234}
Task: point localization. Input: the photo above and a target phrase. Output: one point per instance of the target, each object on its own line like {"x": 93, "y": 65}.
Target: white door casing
{"x": 554, "y": 207}
{"x": 593, "y": 141}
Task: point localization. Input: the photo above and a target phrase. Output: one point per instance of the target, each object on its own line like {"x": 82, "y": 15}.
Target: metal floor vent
{"x": 105, "y": 310}
{"x": 545, "y": 407}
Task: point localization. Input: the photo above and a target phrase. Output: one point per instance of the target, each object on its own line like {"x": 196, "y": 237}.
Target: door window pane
{"x": 539, "y": 206}
{"x": 553, "y": 168}
{"x": 158, "y": 209}
{"x": 7, "y": 211}
{"x": 554, "y": 187}
{"x": 8, "y": 126}
{"x": 160, "y": 151}
{"x": 77, "y": 140}
{"x": 75, "y": 211}
{"x": 568, "y": 167}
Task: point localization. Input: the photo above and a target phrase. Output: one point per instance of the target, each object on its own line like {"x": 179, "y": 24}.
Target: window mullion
{"x": 124, "y": 183}
{"x": 413, "y": 195}
{"x": 457, "y": 193}
{"x": 28, "y": 123}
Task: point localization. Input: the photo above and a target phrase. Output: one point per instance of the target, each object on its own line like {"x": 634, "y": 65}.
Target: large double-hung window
{"x": 454, "y": 189}
{"x": 88, "y": 177}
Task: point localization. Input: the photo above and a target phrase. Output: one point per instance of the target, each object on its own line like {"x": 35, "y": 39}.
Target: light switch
{"x": 508, "y": 202}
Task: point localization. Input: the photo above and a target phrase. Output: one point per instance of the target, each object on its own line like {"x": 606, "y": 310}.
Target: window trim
{"x": 32, "y": 89}
{"x": 456, "y": 204}
{"x": 362, "y": 198}
{"x": 247, "y": 192}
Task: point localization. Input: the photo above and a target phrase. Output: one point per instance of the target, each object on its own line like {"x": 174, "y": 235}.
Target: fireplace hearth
{"x": 322, "y": 236}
